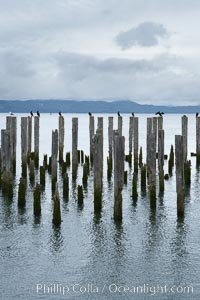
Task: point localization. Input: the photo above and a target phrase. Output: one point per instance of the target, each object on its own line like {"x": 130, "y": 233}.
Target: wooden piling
{"x": 92, "y": 131}
{"x": 161, "y": 159}
{"x": 110, "y": 137}
{"x": 66, "y": 187}
{"x": 149, "y": 131}
{"x": 61, "y": 124}
{"x": 152, "y": 169}
{"x": 56, "y": 209}
{"x": 136, "y": 143}
{"x": 160, "y": 123}
{"x": 42, "y": 176}
{"x": 36, "y": 139}
{"x": 6, "y": 163}
{"x": 24, "y": 144}
{"x": 29, "y": 146}
{"x": 22, "y": 193}
{"x": 74, "y": 147}
{"x": 198, "y": 140}
{"x": 37, "y": 201}
{"x": 11, "y": 127}
{"x": 119, "y": 143}
{"x": 80, "y": 195}
{"x": 32, "y": 172}
{"x": 120, "y": 125}
{"x": 54, "y": 157}
{"x": 131, "y": 120}
{"x": 140, "y": 158}
{"x": 98, "y": 171}
{"x": 179, "y": 155}
{"x": 184, "y": 120}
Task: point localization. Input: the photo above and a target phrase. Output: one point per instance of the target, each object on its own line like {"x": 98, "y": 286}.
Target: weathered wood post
{"x": 91, "y": 129}
{"x": 119, "y": 143}
{"x": 29, "y": 136}
{"x": 22, "y": 193}
{"x": 6, "y": 163}
{"x": 56, "y": 209}
{"x": 61, "y": 124}
{"x": 54, "y": 157}
{"x": 74, "y": 147}
{"x": 110, "y": 137}
{"x": 198, "y": 140}
{"x": 110, "y": 147}
{"x": 11, "y": 127}
{"x": 36, "y": 139}
{"x": 152, "y": 169}
{"x": 24, "y": 145}
{"x": 97, "y": 171}
{"x": 136, "y": 143}
{"x": 160, "y": 123}
{"x": 32, "y": 172}
{"x": 184, "y": 120}
{"x": 179, "y": 155}
{"x": 149, "y": 131}
{"x": 171, "y": 160}
{"x": 131, "y": 122}
{"x": 100, "y": 131}
{"x": 120, "y": 124}
{"x": 161, "y": 159}
{"x": 66, "y": 186}
{"x": 37, "y": 201}
{"x": 155, "y": 128}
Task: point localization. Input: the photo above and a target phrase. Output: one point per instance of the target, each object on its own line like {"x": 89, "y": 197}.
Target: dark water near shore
{"x": 150, "y": 248}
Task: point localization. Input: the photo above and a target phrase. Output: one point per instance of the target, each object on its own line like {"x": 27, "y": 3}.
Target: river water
{"x": 151, "y": 254}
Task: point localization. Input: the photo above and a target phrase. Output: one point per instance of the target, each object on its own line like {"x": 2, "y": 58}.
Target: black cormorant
{"x": 31, "y": 113}
{"x": 38, "y": 113}
{"x": 90, "y": 114}
{"x": 60, "y": 114}
{"x": 133, "y": 114}
{"x": 118, "y": 113}
{"x": 197, "y": 114}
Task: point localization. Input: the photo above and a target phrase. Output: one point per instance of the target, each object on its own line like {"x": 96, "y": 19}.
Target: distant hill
{"x": 72, "y": 106}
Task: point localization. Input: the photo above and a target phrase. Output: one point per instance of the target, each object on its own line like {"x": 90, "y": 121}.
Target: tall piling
{"x": 136, "y": 143}
{"x": 29, "y": 136}
{"x": 6, "y": 163}
{"x": 152, "y": 169}
{"x": 74, "y": 147}
{"x": 36, "y": 139}
{"x": 54, "y": 157}
{"x": 131, "y": 121}
{"x": 24, "y": 144}
{"x": 11, "y": 127}
{"x": 56, "y": 209}
{"x": 179, "y": 155}
{"x": 97, "y": 171}
{"x": 120, "y": 125}
{"x": 110, "y": 137}
{"x": 149, "y": 131}
{"x": 91, "y": 131}
{"x": 61, "y": 126}
{"x": 119, "y": 144}
{"x": 184, "y": 120}
{"x": 161, "y": 159}
{"x": 198, "y": 140}
{"x": 160, "y": 123}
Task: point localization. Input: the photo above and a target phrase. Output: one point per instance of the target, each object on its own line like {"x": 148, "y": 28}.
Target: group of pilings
{"x": 115, "y": 160}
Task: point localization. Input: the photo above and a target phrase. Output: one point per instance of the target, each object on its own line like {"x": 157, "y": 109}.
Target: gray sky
{"x": 143, "y": 50}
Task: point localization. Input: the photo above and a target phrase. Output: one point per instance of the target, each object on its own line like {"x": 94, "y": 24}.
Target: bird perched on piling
{"x": 184, "y": 116}
{"x": 159, "y": 113}
{"x": 197, "y": 114}
{"x": 38, "y": 113}
{"x": 11, "y": 114}
{"x": 162, "y": 113}
{"x": 60, "y": 114}
{"x": 133, "y": 114}
{"x": 118, "y": 114}
{"x": 31, "y": 113}
{"x": 90, "y": 114}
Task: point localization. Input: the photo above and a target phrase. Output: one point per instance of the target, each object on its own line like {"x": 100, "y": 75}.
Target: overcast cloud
{"x": 147, "y": 51}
